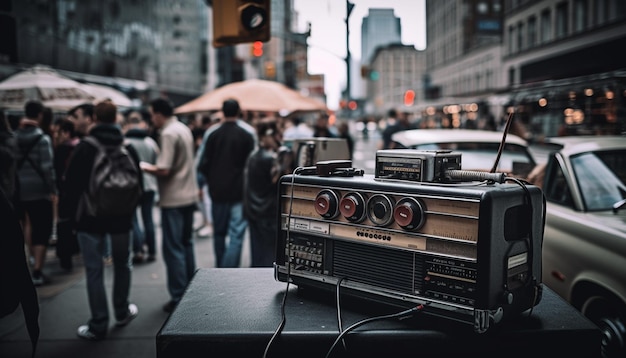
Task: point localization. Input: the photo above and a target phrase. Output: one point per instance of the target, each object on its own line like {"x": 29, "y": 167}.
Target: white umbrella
{"x": 44, "y": 84}
{"x": 254, "y": 95}
{"x": 100, "y": 93}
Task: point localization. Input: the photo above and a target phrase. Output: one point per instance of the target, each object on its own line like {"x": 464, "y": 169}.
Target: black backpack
{"x": 115, "y": 185}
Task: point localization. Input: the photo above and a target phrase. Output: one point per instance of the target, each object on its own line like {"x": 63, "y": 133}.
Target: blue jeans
{"x": 178, "y": 248}
{"x": 145, "y": 236}
{"x": 228, "y": 220}
{"x": 92, "y": 247}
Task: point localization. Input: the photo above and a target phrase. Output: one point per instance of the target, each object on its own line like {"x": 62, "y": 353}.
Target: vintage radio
{"x": 469, "y": 251}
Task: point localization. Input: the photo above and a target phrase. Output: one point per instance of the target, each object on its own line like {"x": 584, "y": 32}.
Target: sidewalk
{"x": 63, "y": 307}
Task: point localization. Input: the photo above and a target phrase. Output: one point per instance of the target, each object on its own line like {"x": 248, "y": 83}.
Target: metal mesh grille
{"x": 395, "y": 270}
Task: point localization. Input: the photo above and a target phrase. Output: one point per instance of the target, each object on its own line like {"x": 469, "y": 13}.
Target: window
{"x": 511, "y": 76}
{"x": 580, "y": 15}
{"x": 561, "y": 20}
{"x": 601, "y": 11}
{"x": 546, "y": 26}
{"x": 520, "y": 36}
{"x": 557, "y": 190}
{"x": 531, "y": 39}
{"x": 511, "y": 45}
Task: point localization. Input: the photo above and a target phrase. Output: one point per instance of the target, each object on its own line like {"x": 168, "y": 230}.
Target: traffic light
{"x": 409, "y": 97}
{"x": 257, "y": 49}
{"x": 369, "y": 74}
{"x": 240, "y": 21}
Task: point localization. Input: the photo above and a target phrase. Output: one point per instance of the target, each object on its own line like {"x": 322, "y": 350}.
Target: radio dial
{"x": 380, "y": 210}
{"x": 326, "y": 204}
{"x": 352, "y": 207}
{"x": 409, "y": 214}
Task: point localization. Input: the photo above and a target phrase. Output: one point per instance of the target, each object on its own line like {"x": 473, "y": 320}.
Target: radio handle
{"x": 470, "y": 175}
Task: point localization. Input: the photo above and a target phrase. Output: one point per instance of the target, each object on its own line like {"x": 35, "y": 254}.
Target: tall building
{"x": 397, "y": 70}
{"x": 144, "y": 48}
{"x": 379, "y": 28}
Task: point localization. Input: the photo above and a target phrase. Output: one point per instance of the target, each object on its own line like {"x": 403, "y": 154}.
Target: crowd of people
{"x": 226, "y": 166}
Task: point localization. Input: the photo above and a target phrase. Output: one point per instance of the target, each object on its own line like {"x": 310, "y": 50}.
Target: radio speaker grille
{"x": 391, "y": 269}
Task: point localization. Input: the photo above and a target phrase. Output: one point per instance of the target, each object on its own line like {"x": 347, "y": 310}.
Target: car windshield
{"x": 481, "y": 156}
{"x": 600, "y": 177}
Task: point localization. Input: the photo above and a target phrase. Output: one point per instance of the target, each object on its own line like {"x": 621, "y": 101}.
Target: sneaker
{"x": 133, "y": 311}
{"x": 169, "y": 307}
{"x": 206, "y": 231}
{"x": 39, "y": 278}
{"x": 151, "y": 258}
{"x": 84, "y": 333}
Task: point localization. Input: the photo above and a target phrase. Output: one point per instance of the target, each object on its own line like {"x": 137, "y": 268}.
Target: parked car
{"x": 584, "y": 247}
{"x": 478, "y": 148}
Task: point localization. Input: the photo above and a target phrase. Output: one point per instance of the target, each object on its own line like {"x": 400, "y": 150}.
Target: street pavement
{"x": 64, "y": 306}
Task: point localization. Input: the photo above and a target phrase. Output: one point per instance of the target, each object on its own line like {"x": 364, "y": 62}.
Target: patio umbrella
{"x": 44, "y": 84}
{"x": 100, "y": 93}
{"x": 254, "y": 95}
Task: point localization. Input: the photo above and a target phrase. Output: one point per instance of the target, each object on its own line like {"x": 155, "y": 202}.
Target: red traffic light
{"x": 257, "y": 48}
{"x": 409, "y": 97}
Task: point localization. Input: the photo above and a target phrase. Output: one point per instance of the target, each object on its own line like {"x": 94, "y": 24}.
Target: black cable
{"x": 503, "y": 142}
{"x": 340, "y": 325}
{"x": 399, "y": 315}
{"x": 283, "y": 317}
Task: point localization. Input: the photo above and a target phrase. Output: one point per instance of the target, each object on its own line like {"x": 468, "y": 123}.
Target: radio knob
{"x": 326, "y": 204}
{"x": 352, "y": 207}
{"x": 380, "y": 210}
{"x": 409, "y": 214}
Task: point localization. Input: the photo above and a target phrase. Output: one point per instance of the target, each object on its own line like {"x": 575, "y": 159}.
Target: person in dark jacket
{"x": 92, "y": 231}
{"x": 261, "y": 175}
{"x": 17, "y": 286}
{"x": 37, "y": 186}
{"x": 67, "y": 245}
{"x": 223, "y": 154}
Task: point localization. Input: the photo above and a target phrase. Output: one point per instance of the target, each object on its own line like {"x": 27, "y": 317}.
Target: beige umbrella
{"x": 254, "y": 95}
{"x": 100, "y": 93}
{"x": 44, "y": 84}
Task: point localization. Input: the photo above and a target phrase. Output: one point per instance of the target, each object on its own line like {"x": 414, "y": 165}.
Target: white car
{"x": 478, "y": 148}
{"x": 584, "y": 247}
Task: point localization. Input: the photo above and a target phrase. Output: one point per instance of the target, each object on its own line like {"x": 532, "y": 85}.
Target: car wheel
{"x": 607, "y": 315}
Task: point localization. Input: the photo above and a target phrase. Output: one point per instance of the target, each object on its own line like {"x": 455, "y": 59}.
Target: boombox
{"x": 468, "y": 251}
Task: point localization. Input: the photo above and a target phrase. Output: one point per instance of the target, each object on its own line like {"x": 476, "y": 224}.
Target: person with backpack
{"x": 103, "y": 185}
{"x": 37, "y": 186}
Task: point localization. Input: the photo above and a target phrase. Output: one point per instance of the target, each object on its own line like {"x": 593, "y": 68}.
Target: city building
{"x": 148, "y": 48}
{"x": 379, "y": 28}
{"x": 557, "y": 64}
{"x": 387, "y": 68}
{"x": 143, "y": 48}
{"x": 394, "y": 79}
